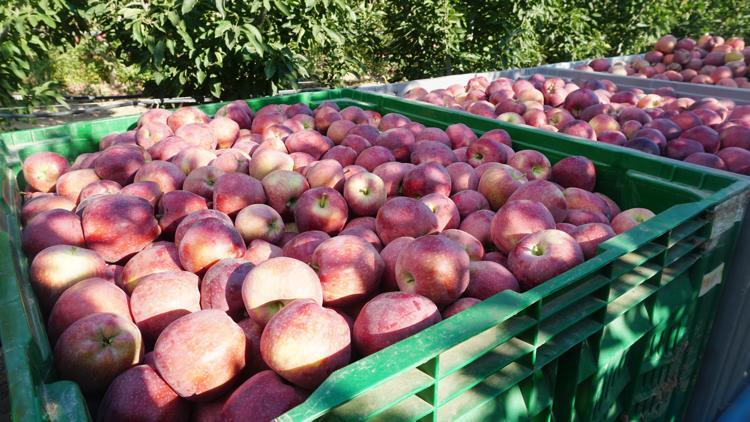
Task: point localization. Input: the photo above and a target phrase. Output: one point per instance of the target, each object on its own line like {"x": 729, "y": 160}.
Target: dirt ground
{"x": 51, "y": 121}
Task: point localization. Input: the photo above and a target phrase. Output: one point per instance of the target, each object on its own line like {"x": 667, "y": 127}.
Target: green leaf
{"x": 216, "y": 89}
{"x": 187, "y": 6}
{"x": 282, "y": 7}
{"x": 159, "y": 53}
{"x": 222, "y": 27}
{"x": 220, "y": 7}
{"x": 200, "y": 76}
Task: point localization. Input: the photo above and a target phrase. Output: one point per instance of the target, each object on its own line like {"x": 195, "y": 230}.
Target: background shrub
{"x": 237, "y": 49}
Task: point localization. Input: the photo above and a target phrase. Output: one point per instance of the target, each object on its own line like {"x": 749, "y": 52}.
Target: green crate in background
{"x": 619, "y": 336}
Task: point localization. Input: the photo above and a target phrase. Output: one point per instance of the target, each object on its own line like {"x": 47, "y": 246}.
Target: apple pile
{"x": 225, "y": 267}
{"x": 710, "y": 60}
{"x": 709, "y": 132}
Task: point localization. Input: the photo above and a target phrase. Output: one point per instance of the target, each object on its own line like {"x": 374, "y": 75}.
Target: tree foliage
{"x": 233, "y": 48}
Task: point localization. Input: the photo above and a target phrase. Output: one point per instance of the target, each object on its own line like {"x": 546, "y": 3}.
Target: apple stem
{"x": 323, "y": 201}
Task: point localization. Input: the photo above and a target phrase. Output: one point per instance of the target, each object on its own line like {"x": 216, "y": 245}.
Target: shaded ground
{"x": 4, "y": 404}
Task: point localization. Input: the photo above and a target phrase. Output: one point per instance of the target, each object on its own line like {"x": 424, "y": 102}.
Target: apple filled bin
{"x": 620, "y": 334}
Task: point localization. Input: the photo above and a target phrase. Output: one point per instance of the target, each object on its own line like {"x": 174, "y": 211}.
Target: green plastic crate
{"x": 618, "y": 337}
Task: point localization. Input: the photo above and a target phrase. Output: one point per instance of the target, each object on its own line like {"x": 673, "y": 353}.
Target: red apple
{"x": 589, "y": 236}
{"x": 84, "y": 298}
{"x": 575, "y": 171}
{"x": 159, "y": 299}
{"x": 208, "y": 241}
{"x": 57, "y": 268}
{"x": 349, "y": 269}
{"x": 302, "y": 245}
{"x": 321, "y": 209}
{"x": 97, "y": 348}
{"x": 444, "y": 209}
{"x": 201, "y": 181}
{"x": 630, "y": 218}
{"x": 487, "y": 278}
{"x": 459, "y": 306}
{"x": 118, "y": 226}
{"x": 417, "y": 273}
{"x": 168, "y": 176}
{"x": 516, "y": 220}
{"x": 402, "y": 216}
{"x": 391, "y": 317}
{"x": 201, "y": 355}
{"x": 140, "y": 393}
{"x": 50, "y": 228}
{"x": 546, "y": 193}
{"x": 265, "y": 396}
{"x": 543, "y": 255}
{"x": 259, "y": 221}
{"x": 274, "y": 284}
{"x": 498, "y": 184}
{"x": 365, "y": 193}
{"x": 175, "y": 205}
{"x": 42, "y": 169}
